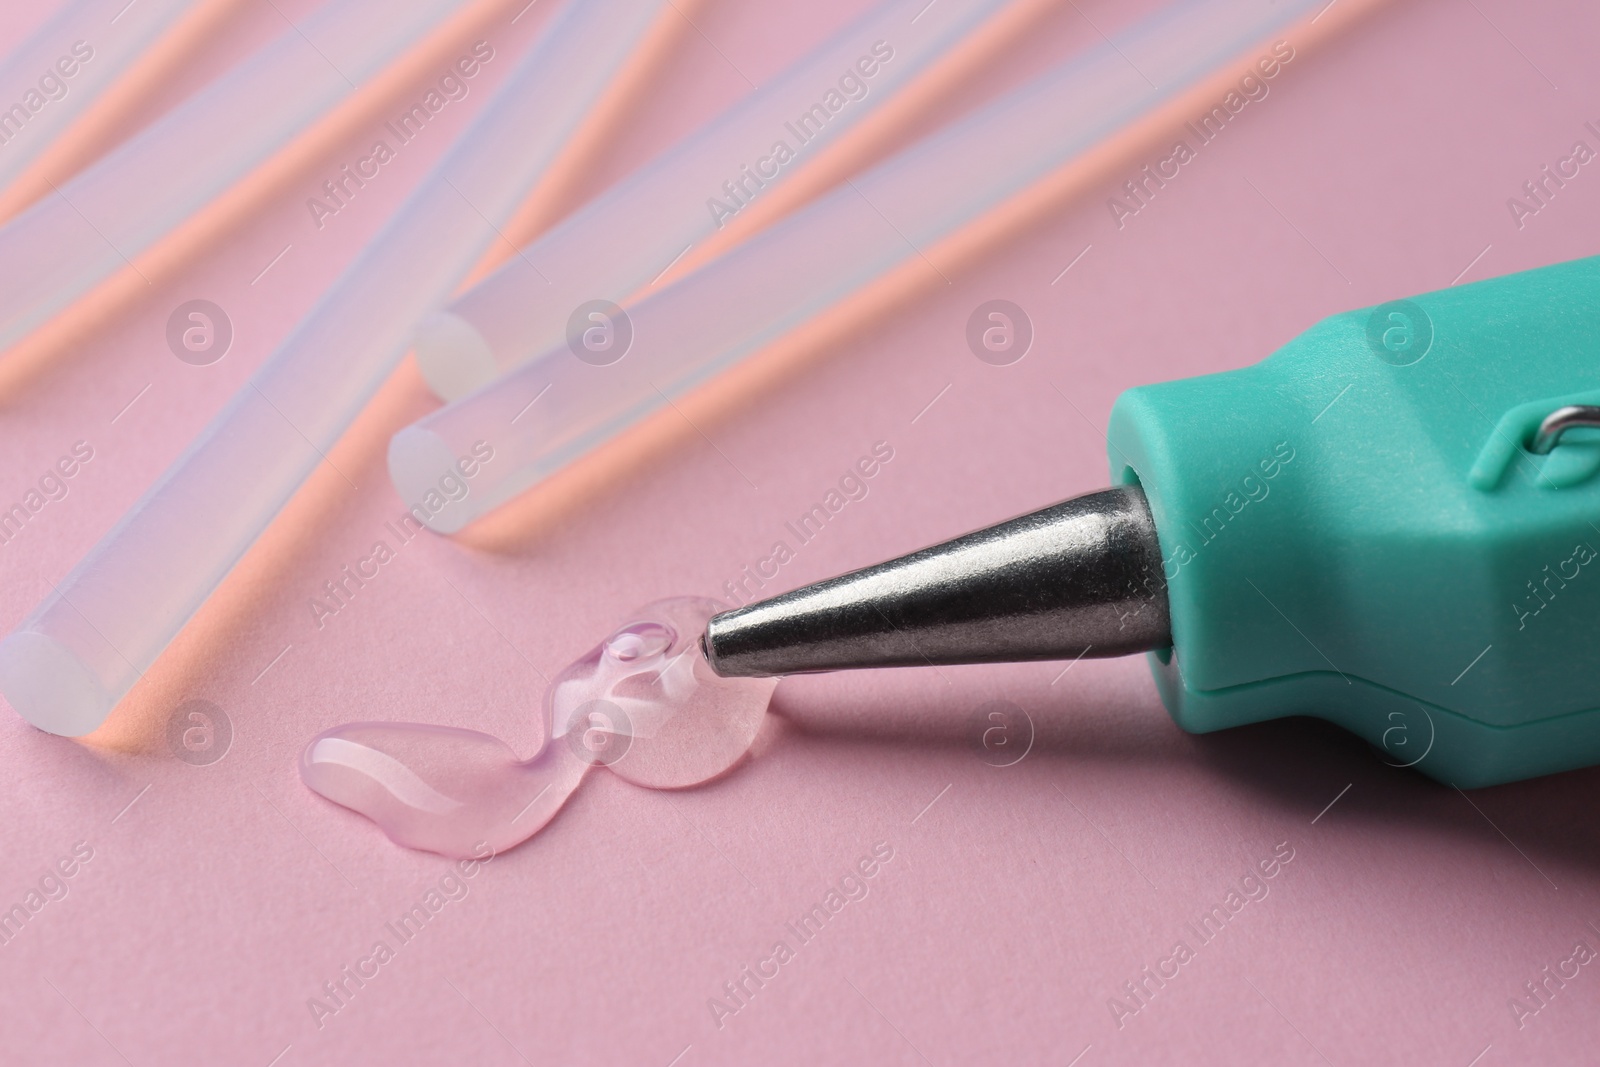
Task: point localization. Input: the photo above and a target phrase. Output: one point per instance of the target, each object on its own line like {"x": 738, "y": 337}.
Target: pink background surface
{"x": 1018, "y": 899}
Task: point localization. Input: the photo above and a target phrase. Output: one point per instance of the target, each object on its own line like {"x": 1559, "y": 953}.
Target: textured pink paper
{"x": 217, "y": 900}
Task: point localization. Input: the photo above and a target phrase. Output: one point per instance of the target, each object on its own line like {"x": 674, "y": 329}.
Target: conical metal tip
{"x": 1081, "y": 578}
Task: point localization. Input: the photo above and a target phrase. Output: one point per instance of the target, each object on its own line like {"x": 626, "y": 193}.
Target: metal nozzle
{"x": 1081, "y": 578}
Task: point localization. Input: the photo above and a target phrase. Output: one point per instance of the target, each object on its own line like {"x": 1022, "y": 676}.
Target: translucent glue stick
{"x": 622, "y": 367}
{"x": 68, "y": 663}
{"x": 108, "y": 214}
{"x": 628, "y": 236}
{"x": 49, "y": 79}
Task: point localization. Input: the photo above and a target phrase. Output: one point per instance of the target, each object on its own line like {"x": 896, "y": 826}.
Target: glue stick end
{"x": 50, "y": 686}
{"x": 424, "y": 472}
{"x": 453, "y": 356}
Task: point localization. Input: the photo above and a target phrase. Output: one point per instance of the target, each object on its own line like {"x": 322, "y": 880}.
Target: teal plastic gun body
{"x": 1358, "y": 529}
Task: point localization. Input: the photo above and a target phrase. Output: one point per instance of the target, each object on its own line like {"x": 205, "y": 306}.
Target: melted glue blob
{"x": 643, "y": 703}
{"x": 438, "y": 788}
{"x": 671, "y": 722}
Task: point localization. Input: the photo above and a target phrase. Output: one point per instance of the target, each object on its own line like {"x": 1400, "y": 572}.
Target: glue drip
{"x": 642, "y": 704}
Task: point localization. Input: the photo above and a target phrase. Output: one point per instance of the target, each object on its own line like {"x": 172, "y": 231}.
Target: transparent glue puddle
{"x": 643, "y": 704}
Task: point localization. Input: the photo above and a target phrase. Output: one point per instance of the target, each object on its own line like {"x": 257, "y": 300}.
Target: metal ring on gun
{"x": 1559, "y": 422}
